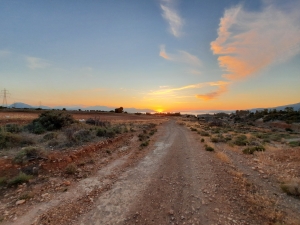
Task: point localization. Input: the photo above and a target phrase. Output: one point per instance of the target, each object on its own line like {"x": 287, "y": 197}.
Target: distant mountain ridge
{"x": 21, "y": 105}
{"x": 296, "y": 107}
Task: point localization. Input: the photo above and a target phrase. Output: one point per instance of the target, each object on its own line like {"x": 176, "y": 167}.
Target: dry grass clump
{"x": 291, "y": 187}
{"x": 261, "y": 204}
{"x": 71, "y": 169}
{"x": 203, "y": 133}
{"x": 223, "y": 157}
{"x": 19, "y": 179}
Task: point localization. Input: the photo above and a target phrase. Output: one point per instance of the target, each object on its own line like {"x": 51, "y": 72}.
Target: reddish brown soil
{"x": 172, "y": 181}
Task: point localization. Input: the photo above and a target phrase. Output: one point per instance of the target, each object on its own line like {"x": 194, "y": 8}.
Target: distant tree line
{"x": 289, "y": 115}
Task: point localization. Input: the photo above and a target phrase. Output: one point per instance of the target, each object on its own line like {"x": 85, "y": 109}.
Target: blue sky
{"x": 158, "y": 54}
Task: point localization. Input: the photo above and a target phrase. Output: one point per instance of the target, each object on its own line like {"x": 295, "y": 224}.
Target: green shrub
{"x": 142, "y": 137}
{"x": 53, "y": 143}
{"x": 202, "y": 140}
{"x": 9, "y": 140}
{"x": 50, "y": 136}
{"x": 209, "y": 148}
{"x": 204, "y": 133}
{"x": 145, "y": 143}
{"x": 294, "y": 143}
{"x": 116, "y": 129}
{"x": 215, "y": 131}
{"x": 101, "y": 132}
{"x": 251, "y": 150}
{"x": 218, "y": 138}
{"x": 28, "y": 153}
{"x": 241, "y": 140}
{"x": 71, "y": 169}
{"x": 82, "y": 135}
{"x": 13, "y": 128}
{"x": 214, "y": 139}
{"x": 35, "y": 127}
{"x": 152, "y": 131}
{"x": 3, "y": 181}
{"x": 19, "y": 179}
{"x": 193, "y": 129}
{"x": 50, "y": 120}
{"x": 110, "y": 133}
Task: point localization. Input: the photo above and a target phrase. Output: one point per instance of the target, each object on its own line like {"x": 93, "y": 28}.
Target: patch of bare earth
{"x": 172, "y": 181}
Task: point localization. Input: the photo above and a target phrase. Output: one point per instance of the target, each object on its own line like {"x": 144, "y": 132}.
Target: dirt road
{"x": 177, "y": 182}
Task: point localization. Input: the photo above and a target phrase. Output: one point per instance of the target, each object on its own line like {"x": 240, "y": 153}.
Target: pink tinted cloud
{"x": 222, "y": 88}
{"x": 249, "y": 41}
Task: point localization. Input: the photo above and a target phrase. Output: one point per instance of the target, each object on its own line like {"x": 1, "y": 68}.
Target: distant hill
{"x": 296, "y": 107}
{"x": 21, "y": 105}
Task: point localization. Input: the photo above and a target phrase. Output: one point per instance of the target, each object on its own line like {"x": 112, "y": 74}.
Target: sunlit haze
{"x": 164, "y": 55}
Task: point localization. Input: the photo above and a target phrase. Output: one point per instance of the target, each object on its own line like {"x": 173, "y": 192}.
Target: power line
{"x": 5, "y": 94}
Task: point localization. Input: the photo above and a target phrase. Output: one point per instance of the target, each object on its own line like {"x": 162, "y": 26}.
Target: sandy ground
{"x": 173, "y": 181}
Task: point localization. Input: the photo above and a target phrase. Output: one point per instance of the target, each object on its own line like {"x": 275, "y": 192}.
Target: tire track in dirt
{"x": 113, "y": 205}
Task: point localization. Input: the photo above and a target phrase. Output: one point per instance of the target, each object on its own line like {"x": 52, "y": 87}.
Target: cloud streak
{"x": 221, "y": 88}
{"x": 171, "y": 15}
{"x": 36, "y": 63}
{"x": 181, "y": 57}
{"x": 4, "y": 53}
{"x": 247, "y": 42}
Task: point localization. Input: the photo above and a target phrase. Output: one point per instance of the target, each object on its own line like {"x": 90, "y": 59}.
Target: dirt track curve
{"x": 177, "y": 182}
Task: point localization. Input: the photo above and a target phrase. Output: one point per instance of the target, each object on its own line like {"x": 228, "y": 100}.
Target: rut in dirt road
{"x": 177, "y": 183}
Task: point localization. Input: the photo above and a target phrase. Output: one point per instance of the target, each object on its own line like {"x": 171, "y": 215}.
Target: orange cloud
{"x": 250, "y": 41}
{"x": 163, "y": 53}
{"x": 222, "y": 88}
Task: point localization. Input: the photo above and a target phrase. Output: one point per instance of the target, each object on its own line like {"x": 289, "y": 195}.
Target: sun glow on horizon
{"x": 159, "y": 110}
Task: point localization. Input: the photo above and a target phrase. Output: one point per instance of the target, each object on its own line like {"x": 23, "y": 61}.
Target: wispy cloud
{"x": 181, "y": 56}
{"x": 222, "y": 88}
{"x": 164, "y": 86}
{"x": 249, "y": 41}
{"x": 36, "y": 63}
{"x": 195, "y": 72}
{"x": 171, "y": 90}
{"x": 4, "y": 53}
{"x": 171, "y": 15}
